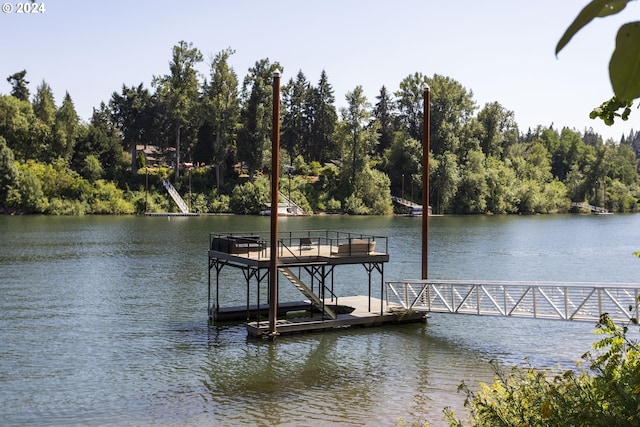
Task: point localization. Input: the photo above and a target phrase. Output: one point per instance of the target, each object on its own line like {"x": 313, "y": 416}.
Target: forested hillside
{"x": 340, "y": 160}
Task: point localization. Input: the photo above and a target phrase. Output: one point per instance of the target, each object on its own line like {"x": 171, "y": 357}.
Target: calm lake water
{"x": 103, "y": 321}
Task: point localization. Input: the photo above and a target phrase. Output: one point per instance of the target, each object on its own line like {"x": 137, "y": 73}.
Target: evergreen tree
{"x": 592, "y": 138}
{"x": 44, "y": 105}
{"x": 384, "y": 114}
{"x": 324, "y": 121}
{"x": 179, "y": 90}
{"x": 255, "y": 132}
{"x": 44, "y": 108}
{"x": 19, "y": 85}
{"x": 133, "y": 114}
{"x": 221, "y": 112}
{"x": 101, "y": 143}
{"x": 296, "y": 119}
{"x": 66, "y": 130}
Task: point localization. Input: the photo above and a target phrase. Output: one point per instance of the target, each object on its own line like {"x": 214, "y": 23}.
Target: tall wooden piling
{"x": 273, "y": 242}
{"x": 426, "y": 147}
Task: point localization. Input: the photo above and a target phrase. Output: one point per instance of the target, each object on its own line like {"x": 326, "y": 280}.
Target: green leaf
{"x": 625, "y": 62}
{"x": 595, "y": 9}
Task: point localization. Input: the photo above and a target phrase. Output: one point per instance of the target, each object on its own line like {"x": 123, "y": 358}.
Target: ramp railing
{"x": 540, "y": 300}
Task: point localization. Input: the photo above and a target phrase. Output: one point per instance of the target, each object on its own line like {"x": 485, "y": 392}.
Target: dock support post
{"x": 247, "y": 278}
{"x": 382, "y": 290}
{"x": 209, "y": 314}
{"x": 369, "y": 269}
{"x": 426, "y": 147}
{"x": 275, "y": 171}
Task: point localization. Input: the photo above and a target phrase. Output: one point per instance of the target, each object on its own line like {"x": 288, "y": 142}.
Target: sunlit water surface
{"x": 103, "y": 321}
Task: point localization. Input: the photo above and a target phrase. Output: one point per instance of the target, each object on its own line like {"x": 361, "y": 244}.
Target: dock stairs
{"x": 176, "y": 196}
{"x": 299, "y": 284}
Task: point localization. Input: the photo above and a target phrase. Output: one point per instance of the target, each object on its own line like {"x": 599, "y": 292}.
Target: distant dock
{"x": 597, "y": 210}
{"x": 171, "y": 214}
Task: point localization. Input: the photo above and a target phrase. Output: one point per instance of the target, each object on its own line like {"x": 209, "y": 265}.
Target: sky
{"x": 500, "y": 50}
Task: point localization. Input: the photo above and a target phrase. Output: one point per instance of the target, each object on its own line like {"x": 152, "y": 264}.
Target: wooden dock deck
{"x": 360, "y": 316}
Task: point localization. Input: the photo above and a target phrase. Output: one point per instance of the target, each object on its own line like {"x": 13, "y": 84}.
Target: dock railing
{"x": 308, "y": 242}
{"x": 540, "y": 300}
{"x": 299, "y": 243}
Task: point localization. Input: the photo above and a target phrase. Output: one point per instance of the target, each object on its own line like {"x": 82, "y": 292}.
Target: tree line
{"x": 340, "y": 160}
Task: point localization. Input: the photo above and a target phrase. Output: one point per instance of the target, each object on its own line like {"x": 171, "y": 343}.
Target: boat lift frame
{"x": 316, "y": 252}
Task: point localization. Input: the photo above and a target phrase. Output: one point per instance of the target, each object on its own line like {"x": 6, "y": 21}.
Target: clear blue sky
{"x": 502, "y": 50}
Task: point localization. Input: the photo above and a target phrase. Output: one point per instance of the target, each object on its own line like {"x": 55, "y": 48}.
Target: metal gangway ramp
{"x": 538, "y": 300}
{"x": 175, "y": 196}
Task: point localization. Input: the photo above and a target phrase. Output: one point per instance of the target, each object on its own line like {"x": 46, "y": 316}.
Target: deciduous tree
{"x": 452, "y": 107}
{"x": 499, "y": 129}
{"x": 410, "y": 101}
{"x": 356, "y": 137}
{"x": 16, "y": 126}
{"x": 403, "y": 159}
{"x": 8, "y": 174}
{"x": 445, "y": 176}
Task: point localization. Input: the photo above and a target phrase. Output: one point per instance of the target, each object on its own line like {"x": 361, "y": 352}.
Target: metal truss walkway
{"x": 539, "y": 300}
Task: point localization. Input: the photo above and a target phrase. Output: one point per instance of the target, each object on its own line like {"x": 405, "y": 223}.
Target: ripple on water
{"x": 103, "y": 322}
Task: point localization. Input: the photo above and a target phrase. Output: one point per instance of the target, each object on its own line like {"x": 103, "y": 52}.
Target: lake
{"x": 103, "y": 321}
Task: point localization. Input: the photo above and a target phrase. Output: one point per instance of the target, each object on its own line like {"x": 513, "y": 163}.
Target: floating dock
{"x": 306, "y": 260}
{"x": 360, "y": 316}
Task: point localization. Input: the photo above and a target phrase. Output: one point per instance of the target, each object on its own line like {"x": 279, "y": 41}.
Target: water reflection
{"x": 103, "y": 322}
{"x": 338, "y": 378}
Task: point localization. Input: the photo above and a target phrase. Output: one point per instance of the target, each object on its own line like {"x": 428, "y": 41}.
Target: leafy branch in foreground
{"x": 605, "y": 394}
{"x": 608, "y": 111}
{"x": 624, "y": 62}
